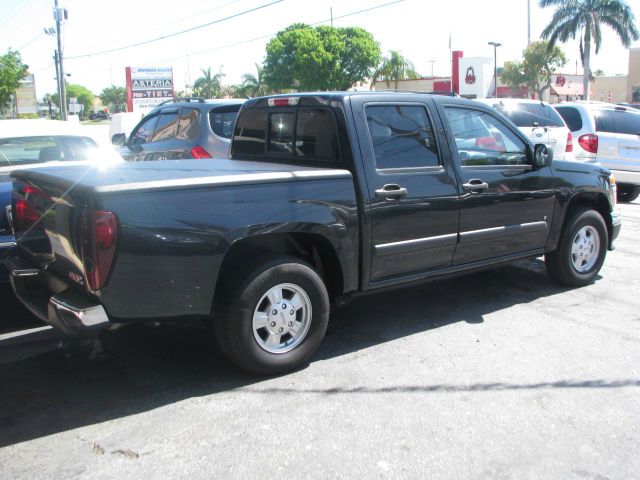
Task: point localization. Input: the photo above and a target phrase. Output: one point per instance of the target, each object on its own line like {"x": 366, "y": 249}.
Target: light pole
{"x": 432, "y": 62}
{"x": 495, "y": 67}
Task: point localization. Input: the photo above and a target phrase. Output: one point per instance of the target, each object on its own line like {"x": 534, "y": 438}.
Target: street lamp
{"x": 495, "y": 67}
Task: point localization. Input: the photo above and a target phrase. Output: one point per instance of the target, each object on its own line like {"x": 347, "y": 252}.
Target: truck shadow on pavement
{"x": 147, "y": 368}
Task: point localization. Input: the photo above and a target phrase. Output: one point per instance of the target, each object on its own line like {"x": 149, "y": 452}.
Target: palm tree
{"x": 208, "y": 86}
{"x": 585, "y": 18}
{"x": 254, "y": 85}
{"x": 394, "y": 68}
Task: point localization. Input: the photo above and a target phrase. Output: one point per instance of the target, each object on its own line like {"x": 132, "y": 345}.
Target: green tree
{"x": 12, "y": 70}
{"x": 540, "y": 61}
{"x": 302, "y": 57}
{"x": 115, "y": 98}
{"x": 586, "y": 18}
{"x": 394, "y": 68}
{"x": 513, "y": 75}
{"x": 207, "y": 86}
{"x": 82, "y": 94}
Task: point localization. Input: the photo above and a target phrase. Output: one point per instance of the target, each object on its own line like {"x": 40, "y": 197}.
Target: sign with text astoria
{"x": 148, "y": 87}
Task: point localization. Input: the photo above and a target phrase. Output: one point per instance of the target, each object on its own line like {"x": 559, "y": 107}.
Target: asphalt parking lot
{"x": 496, "y": 375}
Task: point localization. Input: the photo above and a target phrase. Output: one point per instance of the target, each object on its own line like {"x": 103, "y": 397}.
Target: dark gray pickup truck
{"x": 326, "y": 195}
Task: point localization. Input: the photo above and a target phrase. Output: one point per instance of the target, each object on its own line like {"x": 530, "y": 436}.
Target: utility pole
{"x": 331, "y": 14}
{"x": 495, "y": 67}
{"x": 59, "y": 15}
{"x": 432, "y": 62}
{"x": 58, "y": 77}
{"x": 528, "y": 22}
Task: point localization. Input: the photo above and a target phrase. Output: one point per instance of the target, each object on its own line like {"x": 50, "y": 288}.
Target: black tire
{"x": 234, "y": 317}
{"x": 559, "y": 263}
{"x": 628, "y": 193}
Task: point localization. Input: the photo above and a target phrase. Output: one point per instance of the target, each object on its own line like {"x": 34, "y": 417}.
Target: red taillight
{"x": 569, "y": 147}
{"x": 199, "y": 152}
{"x": 589, "y": 142}
{"x": 99, "y": 236}
{"x": 26, "y": 214}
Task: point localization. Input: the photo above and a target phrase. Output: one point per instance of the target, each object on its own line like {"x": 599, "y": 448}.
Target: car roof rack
{"x": 183, "y": 99}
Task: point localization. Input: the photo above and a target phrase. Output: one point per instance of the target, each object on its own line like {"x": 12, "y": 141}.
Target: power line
{"x": 172, "y": 24}
{"x": 31, "y": 41}
{"x": 10, "y": 15}
{"x": 242, "y": 42}
{"x": 146, "y": 42}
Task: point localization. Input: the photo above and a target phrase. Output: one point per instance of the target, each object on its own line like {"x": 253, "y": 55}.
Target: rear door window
{"x": 222, "y": 120}
{"x": 402, "y": 136}
{"x": 572, "y": 117}
{"x": 189, "y": 124}
{"x": 166, "y": 127}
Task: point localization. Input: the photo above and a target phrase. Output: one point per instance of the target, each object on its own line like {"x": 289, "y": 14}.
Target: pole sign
{"x": 26, "y": 100}
{"x": 148, "y": 87}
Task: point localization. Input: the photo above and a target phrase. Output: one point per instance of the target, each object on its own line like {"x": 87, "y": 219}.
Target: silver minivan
{"x": 610, "y": 135}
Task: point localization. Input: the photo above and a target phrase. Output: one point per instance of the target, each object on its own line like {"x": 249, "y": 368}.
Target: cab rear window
{"x": 303, "y": 134}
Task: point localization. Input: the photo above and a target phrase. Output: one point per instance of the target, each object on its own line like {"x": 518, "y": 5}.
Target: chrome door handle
{"x": 475, "y": 185}
{"x": 391, "y": 191}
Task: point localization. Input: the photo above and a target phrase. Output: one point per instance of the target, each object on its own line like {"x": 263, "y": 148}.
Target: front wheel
{"x": 581, "y": 250}
{"x": 275, "y": 317}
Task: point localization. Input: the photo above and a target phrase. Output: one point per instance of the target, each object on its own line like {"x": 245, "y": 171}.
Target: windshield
{"x": 20, "y": 151}
{"x": 531, "y": 114}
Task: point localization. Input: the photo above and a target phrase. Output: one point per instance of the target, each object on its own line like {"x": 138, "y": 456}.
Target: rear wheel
{"x": 628, "y": 193}
{"x": 275, "y": 317}
{"x": 581, "y": 250}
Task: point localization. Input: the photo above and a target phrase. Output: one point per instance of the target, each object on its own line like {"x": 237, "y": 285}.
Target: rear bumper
{"x": 52, "y": 301}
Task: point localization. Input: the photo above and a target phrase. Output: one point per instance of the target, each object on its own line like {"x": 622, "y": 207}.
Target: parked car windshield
{"x": 39, "y": 149}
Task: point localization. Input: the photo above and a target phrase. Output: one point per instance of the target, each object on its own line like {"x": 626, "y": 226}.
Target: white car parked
{"x": 34, "y": 143}
{"x": 538, "y": 121}
{"x": 610, "y": 135}
{"x": 42, "y": 143}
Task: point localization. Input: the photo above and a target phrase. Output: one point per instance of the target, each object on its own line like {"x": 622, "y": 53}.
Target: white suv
{"x": 538, "y": 121}
{"x": 610, "y": 135}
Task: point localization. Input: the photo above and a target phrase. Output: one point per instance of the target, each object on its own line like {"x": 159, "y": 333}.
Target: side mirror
{"x": 542, "y": 156}
{"x": 119, "y": 139}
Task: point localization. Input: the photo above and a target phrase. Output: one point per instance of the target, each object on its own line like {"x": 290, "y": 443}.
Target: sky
{"x": 239, "y": 30}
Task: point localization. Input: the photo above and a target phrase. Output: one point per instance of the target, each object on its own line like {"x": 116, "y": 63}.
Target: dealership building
{"x": 473, "y": 78}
